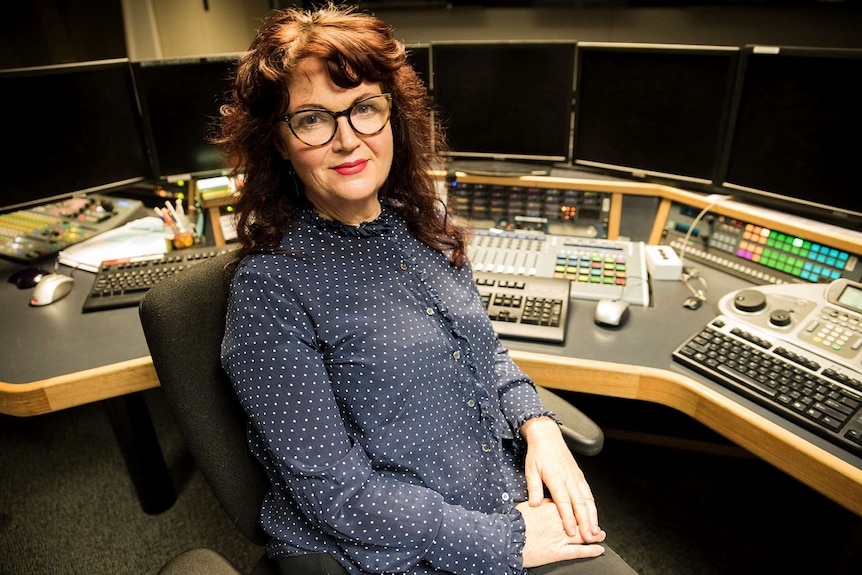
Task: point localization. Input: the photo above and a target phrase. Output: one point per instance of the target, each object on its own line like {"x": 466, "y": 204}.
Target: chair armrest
{"x": 582, "y": 435}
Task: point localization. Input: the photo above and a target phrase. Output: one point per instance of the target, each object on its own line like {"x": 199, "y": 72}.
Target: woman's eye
{"x": 312, "y": 120}
{"x": 366, "y": 110}
{"x": 309, "y": 120}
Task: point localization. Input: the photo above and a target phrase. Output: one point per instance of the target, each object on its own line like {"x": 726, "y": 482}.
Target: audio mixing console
{"x": 757, "y": 253}
{"x": 596, "y": 268}
{"x": 32, "y": 234}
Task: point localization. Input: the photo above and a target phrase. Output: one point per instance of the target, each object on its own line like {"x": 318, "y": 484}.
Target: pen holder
{"x": 183, "y": 240}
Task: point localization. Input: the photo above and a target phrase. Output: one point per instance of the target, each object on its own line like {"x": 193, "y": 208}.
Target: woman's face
{"x": 341, "y": 177}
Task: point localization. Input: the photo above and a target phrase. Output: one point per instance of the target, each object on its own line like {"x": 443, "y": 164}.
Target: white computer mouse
{"x": 51, "y": 288}
{"x": 611, "y": 312}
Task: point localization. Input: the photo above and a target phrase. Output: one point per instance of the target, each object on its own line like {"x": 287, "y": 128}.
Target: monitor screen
{"x": 180, "y": 101}
{"x": 505, "y": 100}
{"x": 419, "y": 57}
{"x": 69, "y": 129}
{"x": 794, "y": 141}
{"x": 653, "y": 109}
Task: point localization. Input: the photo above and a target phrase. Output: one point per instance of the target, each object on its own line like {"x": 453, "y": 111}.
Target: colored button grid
{"x": 591, "y": 268}
{"x": 792, "y": 255}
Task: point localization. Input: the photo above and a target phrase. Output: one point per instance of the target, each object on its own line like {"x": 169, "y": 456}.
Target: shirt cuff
{"x": 519, "y": 536}
{"x": 476, "y": 543}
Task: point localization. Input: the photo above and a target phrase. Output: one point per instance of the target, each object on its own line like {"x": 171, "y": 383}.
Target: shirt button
{"x": 429, "y": 310}
{"x": 505, "y": 496}
{"x": 486, "y": 448}
{"x": 403, "y": 266}
{"x": 471, "y": 403}
{"x": 456, "y": 354}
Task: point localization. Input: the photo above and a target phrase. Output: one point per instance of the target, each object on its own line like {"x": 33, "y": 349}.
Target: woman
{"x": 397, "y": 433}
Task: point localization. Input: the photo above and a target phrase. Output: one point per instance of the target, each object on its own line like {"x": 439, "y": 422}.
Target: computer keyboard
{"x": 525, "y": 307}
{"x": 801, "y": 386}
{"x": 123, "y": 283}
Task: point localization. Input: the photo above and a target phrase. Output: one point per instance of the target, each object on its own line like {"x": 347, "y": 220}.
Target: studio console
{"x": 822, "y": 319}
{"x": 756, "y": 253}
{"x": 550, "y": 210}
{"x": 596, "y": 268}
{"x": 34, "y": 233}
{"x": 794, "y": 348}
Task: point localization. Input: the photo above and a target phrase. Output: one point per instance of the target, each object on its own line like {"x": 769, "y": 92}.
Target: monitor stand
{"x": 501, "y": 168}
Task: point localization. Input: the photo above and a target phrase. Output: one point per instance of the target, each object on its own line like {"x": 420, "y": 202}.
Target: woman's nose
{"x": 345, "y": 138}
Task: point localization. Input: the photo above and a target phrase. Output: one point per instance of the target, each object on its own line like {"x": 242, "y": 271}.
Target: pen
{"x": 184, "y": 220}
{"x": 174, "y": 216}
{"x": 166, "y": 216}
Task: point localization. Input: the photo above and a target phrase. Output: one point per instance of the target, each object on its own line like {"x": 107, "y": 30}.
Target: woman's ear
{"x": 281, "y": 146}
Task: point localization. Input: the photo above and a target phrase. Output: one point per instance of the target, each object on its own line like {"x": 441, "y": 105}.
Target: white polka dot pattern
{"x": 380, "y": 402}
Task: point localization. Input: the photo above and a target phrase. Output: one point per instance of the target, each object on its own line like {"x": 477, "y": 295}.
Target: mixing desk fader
{"x": 596, "y": 268}
{"x": 34, "y": 233}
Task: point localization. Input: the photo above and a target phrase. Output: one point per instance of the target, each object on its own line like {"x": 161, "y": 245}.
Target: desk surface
{"x": 55, "y": 357}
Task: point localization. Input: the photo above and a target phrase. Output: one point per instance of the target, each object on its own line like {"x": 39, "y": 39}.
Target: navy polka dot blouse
{"x": 380, "y": 402}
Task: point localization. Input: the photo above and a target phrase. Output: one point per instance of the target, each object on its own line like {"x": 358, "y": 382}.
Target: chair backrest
{"x": 183, "y": 320}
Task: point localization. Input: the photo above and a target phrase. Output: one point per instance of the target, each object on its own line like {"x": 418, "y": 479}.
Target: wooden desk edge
{"x": 827, "y": 474}
{"x": 74, "y": 389}
{"x": 836, "y": 479}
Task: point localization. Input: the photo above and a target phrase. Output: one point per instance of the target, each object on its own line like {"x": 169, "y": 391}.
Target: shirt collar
{"x": 384, "y": 223}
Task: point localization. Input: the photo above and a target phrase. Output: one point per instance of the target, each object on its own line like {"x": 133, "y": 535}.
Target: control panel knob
{"x": 749, "y": 301}
{"x": 780, "y": 318}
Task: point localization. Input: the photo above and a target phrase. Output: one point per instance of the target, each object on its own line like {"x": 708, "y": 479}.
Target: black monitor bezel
{"x": 784, "y": 200}
{"x": 650, "y": 172}
{"x": 562, "y": 154}
{"x": 159, "y": 164}
{"x": 141, "y": 175}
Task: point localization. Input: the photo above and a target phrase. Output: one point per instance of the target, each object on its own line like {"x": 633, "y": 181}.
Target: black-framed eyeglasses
{"x": 315, "y": 128}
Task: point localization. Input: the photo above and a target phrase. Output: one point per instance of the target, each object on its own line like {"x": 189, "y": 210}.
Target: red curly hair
{"x": 355, "y": 47}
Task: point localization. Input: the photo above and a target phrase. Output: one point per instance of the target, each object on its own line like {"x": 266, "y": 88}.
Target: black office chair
{"x": 183, "y": 321}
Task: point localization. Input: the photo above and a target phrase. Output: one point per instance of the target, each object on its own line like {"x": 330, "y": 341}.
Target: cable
{"x": 698, "y": 293}
{"x": 694, "y": 223}
{"x": 690, "y": 275}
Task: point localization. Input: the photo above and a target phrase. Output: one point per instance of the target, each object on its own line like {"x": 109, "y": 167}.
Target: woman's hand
{"x": 546, "y": 540}
{"x": 549, "y": 462}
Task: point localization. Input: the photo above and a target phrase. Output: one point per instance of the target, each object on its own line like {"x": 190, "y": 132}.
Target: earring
{"x": 292, "y": 178}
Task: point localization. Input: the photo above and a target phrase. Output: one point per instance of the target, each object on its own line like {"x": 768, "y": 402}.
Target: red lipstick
{"x": 349, "y": 168}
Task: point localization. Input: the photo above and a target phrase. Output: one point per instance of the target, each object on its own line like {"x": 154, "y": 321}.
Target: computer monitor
{"x": 419, "y": 57}
{"x": 69, "y": 129}
{"x": 505, "y": 100}
{"x": 794, "y": 141}
{"x": 655, "y": 111}
{"x": 180, "y": 99}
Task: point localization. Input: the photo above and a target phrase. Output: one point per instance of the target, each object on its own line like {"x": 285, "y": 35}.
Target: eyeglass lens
{"x": 317, "y": 127}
